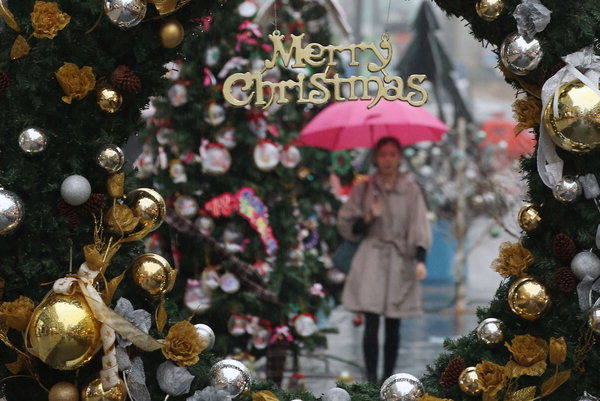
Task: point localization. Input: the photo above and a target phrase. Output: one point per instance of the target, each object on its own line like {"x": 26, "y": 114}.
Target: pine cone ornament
{"x": 449, "y": 377}
{"x": 564, "y": 248}
{"x": 124, "y": 78}
{"x": 565, "y": 279}
{"x": 4, "y": 81}
{"x": 70, "y": 213}
{"x": 95, "y": 204}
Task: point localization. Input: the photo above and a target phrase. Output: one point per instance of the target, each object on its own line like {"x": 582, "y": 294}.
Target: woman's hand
{"x": 421, "y": 271}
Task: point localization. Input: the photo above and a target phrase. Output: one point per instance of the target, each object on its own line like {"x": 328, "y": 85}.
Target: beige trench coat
{"x": 382, "y": 277}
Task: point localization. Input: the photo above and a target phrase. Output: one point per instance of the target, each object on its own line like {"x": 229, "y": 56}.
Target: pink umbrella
{"x": 349, "y": 125}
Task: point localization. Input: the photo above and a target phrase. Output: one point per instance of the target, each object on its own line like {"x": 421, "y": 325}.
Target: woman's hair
{"x": 384, "y": 141}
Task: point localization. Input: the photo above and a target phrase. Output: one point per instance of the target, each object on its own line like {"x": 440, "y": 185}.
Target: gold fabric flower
{"x": 527, "y": 112}
{"x": 120, "y": 219}
{"x": 264, "y": 395}
{"x": 16, "y": 314}
{"x": 183, "y": 344}
{"x": 557, "y": 350}
{"x": 75, "y": 82}
{"x": 529, "y": 354}
{"x": 47, "y": 19}
{"x": 491, "y": 377}
{"x": 513, "y": 260}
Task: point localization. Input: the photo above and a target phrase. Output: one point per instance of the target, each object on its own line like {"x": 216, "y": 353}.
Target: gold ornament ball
{"x": 94, "y": 392}
{"x": 109, "y": 99}
{"x": 576, "y": 128}
{"x": 467, "y": 381}
{"x": 527, "y": 298}
{"x": 63, "y": 332}
{"x": 171, "y": 33}
{"x": 489, "y": 10}
{"x": 153, "y": 274}
{"x": 529, "y": 218}
{"x": 63, "y": 391}
{"x": 111, "y": 158}
{"x": 148, "y": 205}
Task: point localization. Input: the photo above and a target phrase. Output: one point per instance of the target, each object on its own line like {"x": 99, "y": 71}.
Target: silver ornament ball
{"x": 401, "y": 387}
{"x": 336, "y": 394}
{"x": 586, "y": 263}
{"x": 567, "y": 190}
{"x": 519, "y": 56}
{"x": 205, "y": 332}
{"x": 11, "y": 211}
{"x": 33, "y": 140}
{"x": 204, "y": 224}
{"x": 490, "y": 331}
{"x": 587, "y": 397}
{"x": 75, "y": 190}
{"x": 125, "y": 13}
{"x": 111, "y": 158}
{"x": 594, "y": 319}
{"x": 230, "y": 375}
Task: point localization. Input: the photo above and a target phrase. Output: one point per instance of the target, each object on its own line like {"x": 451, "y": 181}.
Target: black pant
{"x": 371, "y": 346}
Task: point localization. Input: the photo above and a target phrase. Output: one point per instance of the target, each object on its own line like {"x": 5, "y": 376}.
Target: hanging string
{"x": 387, "y": 21}
{"x": 275, "y": 14}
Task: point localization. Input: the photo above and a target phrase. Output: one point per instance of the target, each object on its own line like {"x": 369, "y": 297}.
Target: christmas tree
{"x": 535, "y": 339}
{"x": 74, "y": 77}
{"x": 256, "y": 216}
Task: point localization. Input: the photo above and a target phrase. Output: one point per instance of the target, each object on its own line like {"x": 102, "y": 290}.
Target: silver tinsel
{"x": 139, "y": 317}
{"x": 532, "y": 17}
{"x": 172, "y": 379}
{"x": 210, "y": 394}
{"x": 587, "y": 397}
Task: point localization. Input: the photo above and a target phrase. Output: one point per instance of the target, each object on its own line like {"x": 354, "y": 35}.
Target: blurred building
{"x": 477, "y": 74}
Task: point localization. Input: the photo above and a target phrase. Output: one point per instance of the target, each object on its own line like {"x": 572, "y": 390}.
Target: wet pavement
{"x": 421, "y": 338}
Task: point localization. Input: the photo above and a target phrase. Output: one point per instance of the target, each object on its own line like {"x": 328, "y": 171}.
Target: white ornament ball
{"x": 586, "y": 263}
{"x": 75, "y": 190}
{"x": 336, "y": 394}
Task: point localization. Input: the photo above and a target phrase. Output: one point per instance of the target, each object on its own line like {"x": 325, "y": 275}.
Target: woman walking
{"x": 388, "y": 212}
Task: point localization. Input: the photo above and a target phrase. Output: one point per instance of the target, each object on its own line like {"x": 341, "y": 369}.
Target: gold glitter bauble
{"x": 489, "y": 10}
{"x": 63, "y": 332}
{"x": 529, "y": 218}
{"x": 94, "y": 392}
{"x": 109, "y": 99}
{"x": 153, "y": 274}
{"x": 171, "y": 33}
{"x": 63, "y": 391}
{"x": 467, "y": 381}
{"x": 148, "y": 205}
{"x": 528, "y": 298}
{"x": 576, "y": 128}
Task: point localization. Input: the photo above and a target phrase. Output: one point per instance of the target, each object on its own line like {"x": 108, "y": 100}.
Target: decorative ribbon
{"x": 111, "y": 322}
{"x": 550, "y": 165}
{"x": 585, "y": 292}
{"x": 281, "y": 332}
{"x": 232, "y": 64}
{"x": 248, "y": 32}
